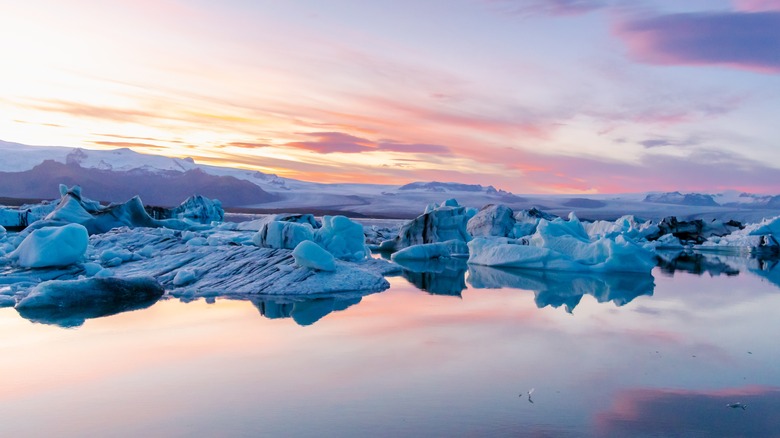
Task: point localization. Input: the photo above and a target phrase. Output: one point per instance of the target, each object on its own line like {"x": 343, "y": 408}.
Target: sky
{"x": 531, "y": 96}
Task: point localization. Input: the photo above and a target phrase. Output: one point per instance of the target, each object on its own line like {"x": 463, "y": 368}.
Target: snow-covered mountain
{"x": 677, "y": 198}
{"x": 115, "y": 175}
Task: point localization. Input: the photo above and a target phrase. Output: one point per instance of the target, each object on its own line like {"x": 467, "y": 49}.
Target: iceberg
{"x": 343, "y": 238}
{"x": 310, "y": 255}
{"x": 563, "y": 246}
{"x": 196, "y": 208}
{"x": 526, "y": 221}
{"x": 284, "y": 235}
{"x": 68, "y": 303}
{"x": 437, "y": 224}
{"x": 429, "y": 251}
{"x": 52, "y": 247}
{"x": 492, "y": 220}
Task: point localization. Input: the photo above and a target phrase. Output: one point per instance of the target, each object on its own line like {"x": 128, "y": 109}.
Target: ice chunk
{"x": 429, "y": 251}
{"x": 284, "y": 235}
{"x": 7, "y": 301}
{"x": 562, "y": 245}
{"x": 526, "y": 221}
{"x": 343, "y": 238}
{"x": 185, "y": 277}
{"x": 626, "y": 225}
{"x": 310, "y": 255}
{"x": 492, "y": 220}
{"x": 52, "y": 247}
{"x": 258, "y": 224}
{"x": 68, "y": 303}
{"x": 438, "y": 225}
{"x": 2, "y": 231}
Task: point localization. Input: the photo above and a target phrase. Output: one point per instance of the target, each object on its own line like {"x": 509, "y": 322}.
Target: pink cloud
{"x": 329, "y": 142}
{"x": 757, "y": 5}
{"x": 748, "y": 41}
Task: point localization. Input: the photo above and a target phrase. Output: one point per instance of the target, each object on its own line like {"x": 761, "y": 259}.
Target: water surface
{"x": 658, "y": 355}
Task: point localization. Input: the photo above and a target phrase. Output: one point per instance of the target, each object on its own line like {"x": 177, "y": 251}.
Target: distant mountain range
{"x": 162, "y": 188}
{"x": 117, "y": 175}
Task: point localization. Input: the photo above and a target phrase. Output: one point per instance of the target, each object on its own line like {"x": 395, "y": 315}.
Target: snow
{"x": 310, "y": 255}
{"x": 52, "y": 247}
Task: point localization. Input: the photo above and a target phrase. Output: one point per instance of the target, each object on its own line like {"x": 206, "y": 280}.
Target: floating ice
{"x": 52, "y": 247}
{"x": 447, "y": 222}
{"x": 69, "y": 303}
{"x": 526, "y": 221}
{"x": 258, "y": 224}
{"x": 310, "y": 255}
{"x": 626, "y": 226}
{"x": 343, "y": 238}
{"x": 428, "y": 251}
{"x": 285, "y": 235}
{"x": 562, "y": 245}
{"x": 492, "y": 220}
{"x": 762, "y": 237}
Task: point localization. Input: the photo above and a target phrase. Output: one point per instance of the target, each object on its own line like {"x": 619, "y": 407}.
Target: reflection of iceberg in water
{"x": 766, "y": 268}
{"x": 437, "y": 277}
{"x": 555, "y": 288}
{"x": 304, "y": 310}
{"x": 762, "y": 265}
{"x": 70, "y": 303}
{"x": 696, "y": 263}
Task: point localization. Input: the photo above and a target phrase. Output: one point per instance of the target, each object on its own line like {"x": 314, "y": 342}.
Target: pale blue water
{"x": 638, "y": 356}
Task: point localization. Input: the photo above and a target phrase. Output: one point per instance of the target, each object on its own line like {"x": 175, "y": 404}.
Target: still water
{"x": 661, "y": 355}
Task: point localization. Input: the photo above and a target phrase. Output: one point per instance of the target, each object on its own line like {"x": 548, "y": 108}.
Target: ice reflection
{"x": 555, "y": 288}
{"x": 69, "y": 317}
{"x": 304, "y": 311}
{"x": 438, "y": 277}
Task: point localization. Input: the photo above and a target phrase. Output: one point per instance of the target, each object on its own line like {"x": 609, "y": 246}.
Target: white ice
{"x": 52, "y": 247}
{"x": 564, "y": 246}
{"x": 310, "y": 255}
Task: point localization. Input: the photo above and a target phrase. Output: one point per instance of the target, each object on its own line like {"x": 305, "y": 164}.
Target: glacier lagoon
{"x": 600, "y": 354}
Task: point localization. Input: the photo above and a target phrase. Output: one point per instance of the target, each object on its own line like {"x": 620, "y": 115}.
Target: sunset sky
{"x": 532, "y": 96}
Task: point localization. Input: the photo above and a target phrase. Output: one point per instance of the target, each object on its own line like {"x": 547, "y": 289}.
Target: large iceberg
{"x": 196, "y": 208}
{"x": 760, "y": 238}
{"x": 438, "y": 224}
{"x": 492, "y": 220}
{"x": 563, "y": 246}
